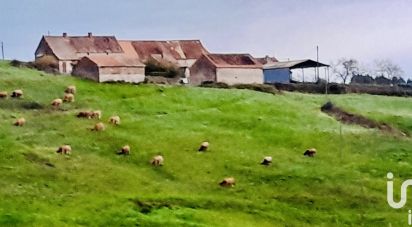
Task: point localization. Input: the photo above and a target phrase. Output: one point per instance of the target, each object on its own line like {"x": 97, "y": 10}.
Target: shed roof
{"x": 233, "y": 60}
{"x": 306, "y": 63}
{"x": 67, "y": 47}
{"x": 114, "y": 60}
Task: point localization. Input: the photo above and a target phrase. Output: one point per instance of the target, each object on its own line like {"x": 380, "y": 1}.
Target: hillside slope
{"x": 344, "y": 184}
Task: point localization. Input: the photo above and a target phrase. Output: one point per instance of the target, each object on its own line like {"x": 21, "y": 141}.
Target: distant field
{"x": 345, "y": 184}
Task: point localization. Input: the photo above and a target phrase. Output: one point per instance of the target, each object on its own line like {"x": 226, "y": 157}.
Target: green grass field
{"x": 345, "y": 184}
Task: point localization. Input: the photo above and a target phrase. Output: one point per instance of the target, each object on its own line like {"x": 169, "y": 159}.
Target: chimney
{"x": 89, "y": 34}
{"x": 64, "y": 34}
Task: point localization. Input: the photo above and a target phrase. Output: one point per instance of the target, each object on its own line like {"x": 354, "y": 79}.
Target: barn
{"x": 64, "y": 51}
{"x": 226, "y": 68}
{"x": 182, "y": 53}
{"x": 104, "y": 68}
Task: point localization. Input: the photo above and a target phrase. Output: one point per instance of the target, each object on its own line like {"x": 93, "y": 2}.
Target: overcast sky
{"x": 365, "y": 30}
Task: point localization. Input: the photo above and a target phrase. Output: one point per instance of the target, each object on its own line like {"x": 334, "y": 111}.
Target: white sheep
{"x": 157, "y": 160}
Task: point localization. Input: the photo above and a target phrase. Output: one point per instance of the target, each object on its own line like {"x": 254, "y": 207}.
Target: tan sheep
{"x": 157, "y": 160}
{"x": 125, "y": 150}
{"x": 97, "y": 114}
{"x": 114, "y": 120}
{"x": 310, "y": 152}
{"x": 64, "y": 149}
{"x": 17, "y": 93}
{"x": 20, "y": 122}
{"x": 68, "y": 97}
{"x": 70, "y": 89}
{"x": 56, "y": 103}
{"x": 204, "y": 146}
{"x": 99, "y": 127}
{"x": 3, "y": 94}
{"x": 266, "y": 161}
{"x": 228, "y": 182}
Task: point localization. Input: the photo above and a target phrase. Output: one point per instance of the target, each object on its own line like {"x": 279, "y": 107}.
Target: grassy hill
{"x": 345, "y": 184}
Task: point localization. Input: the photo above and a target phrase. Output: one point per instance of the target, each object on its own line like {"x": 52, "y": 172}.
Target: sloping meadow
{"x": 344, "y": 184}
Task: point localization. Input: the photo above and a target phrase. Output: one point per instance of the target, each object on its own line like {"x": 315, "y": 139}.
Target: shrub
{"x": 17, "y": 63}
{"x": 212, "y": 84}
{"x": 258, "y": 87}
{"x": 47, "y": 64}
{"x": 161, "y": 68}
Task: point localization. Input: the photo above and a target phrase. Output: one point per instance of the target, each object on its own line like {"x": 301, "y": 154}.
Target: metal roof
{"x": 295, "y": 64}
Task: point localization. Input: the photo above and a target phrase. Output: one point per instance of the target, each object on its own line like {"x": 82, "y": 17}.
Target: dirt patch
{"x": 351, "y": 118}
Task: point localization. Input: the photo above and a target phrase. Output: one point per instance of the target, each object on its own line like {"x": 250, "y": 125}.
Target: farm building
{"x": 226, "y": 68}
{"x": 281, "y": 72}
{"x": 103, "y": 68}
{"x": 65, "y": 51}
{"x": 183, "y": 53}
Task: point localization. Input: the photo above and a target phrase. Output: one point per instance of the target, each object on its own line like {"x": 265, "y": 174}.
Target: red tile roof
{"x": 169, "y": 50}
{"x": 68, "y": 47}
{"x": 233, "y": 61}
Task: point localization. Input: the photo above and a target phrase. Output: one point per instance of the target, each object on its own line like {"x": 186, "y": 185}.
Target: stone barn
{"x": 106, "y": 68}
{"x": 226, "y": 68}
{"x": 64, "y": 51}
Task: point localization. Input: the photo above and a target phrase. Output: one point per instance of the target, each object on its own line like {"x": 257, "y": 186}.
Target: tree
{"x": 344, "y": 69}
{"x": 388, "y": 69}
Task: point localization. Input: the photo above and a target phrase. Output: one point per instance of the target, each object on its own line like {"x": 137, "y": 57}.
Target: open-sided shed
{"x": 280, "y": 72}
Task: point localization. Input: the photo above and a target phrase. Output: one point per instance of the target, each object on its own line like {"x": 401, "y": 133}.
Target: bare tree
{"x": 345, "y": 68}
{"x": 388, "y": 69}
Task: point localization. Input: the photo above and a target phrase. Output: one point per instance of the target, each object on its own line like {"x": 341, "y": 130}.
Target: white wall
{"x": 69, "y": 67}
{"x": 239, "y": 76}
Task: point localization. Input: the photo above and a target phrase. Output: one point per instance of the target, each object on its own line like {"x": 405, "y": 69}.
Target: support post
{"x": 2, "y": 50}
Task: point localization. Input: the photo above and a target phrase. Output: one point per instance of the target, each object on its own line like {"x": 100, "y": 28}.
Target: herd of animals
{"x": 157, "y": 160}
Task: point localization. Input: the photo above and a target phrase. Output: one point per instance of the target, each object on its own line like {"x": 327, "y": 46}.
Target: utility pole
{"x": 317, "y": 63}
{"x": 2, "y": 50}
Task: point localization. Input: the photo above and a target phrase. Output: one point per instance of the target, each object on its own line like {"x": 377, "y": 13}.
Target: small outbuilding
{"x": 281, "y": 72}
{"x": 226, "y": 68}
{"x": 105, "y": 68}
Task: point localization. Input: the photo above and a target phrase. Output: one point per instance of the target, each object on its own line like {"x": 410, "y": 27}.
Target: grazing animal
{"x": 228, "y": 182}
{"x": 97, "y": 114}
{"x": 310, "y": 152}
{"x": 114, "y": 120}
{"x": 204, "y": 146}
{"x": 68, "y": 97}
{"x": 99, "y": 127}
{"x": 17, "y": 93}
{"x": 85, "y": 114}
{"x": 157, "y": 160}
{"x": 125, "y": 150}
{"x": 3, "y": 94}
{"x": 64, "y": 149}
{"x": 56, "y": 103}
{"x": 20, "y": 122}
{"x": 266, "y": 161}
{"x": 70, "y": 89}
